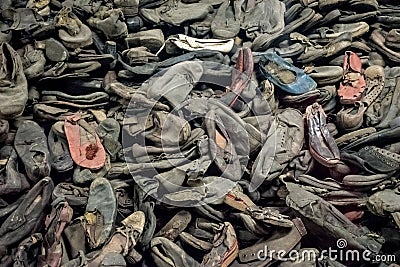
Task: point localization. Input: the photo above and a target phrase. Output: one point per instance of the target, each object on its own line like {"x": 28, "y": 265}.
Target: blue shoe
{"x": 283, "y": 74}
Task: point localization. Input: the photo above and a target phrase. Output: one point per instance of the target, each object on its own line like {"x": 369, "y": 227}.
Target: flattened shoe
{"x": 326, "y": 75}
{"x": 378, "y": 42}
{"x": 226, "y": 23}
{"x": 31, "y": 145}
{"x": 379, "y": 159}
{"x": 76, "y": 196}
{"x": 188, "y": 43}
{"x": 323, "y": 221}
{"x": 101, "y": 211}
{"x": 60, "y": 158}
{"x": 176, "y": 13}
{"x": 263, "y": 41}
{"x": 28, "y": 217}
{"x": 356, "y": 29}
{"x": 166, "y": 253}
{"x": 84, "y": 143}
{"x": 13, "y": 83}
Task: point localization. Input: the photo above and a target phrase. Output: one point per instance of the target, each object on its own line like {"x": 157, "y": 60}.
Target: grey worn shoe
{"x": 166, "y": 253}
{"x": 266, "y": 18}
{"x": 13, "y": 83}
{"x": 285, "y": 140}
{"x": 226, "y": 23}
{"x": 110, "y": 22}
{"x": 101, "y": 211}
{"x": 33, "y": 61}
{"x": 176, "y": 13}
{"x": 326, "y": 222}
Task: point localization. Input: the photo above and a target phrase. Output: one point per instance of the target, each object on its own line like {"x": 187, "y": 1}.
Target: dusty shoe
{"x": 166, "y": 253}
{"x": 176, "y": 13}
{"x": 101, "y": 211}
{"x": 285, "y": 141}
{"x": 321, "y": 143}
{"x": 226, "y": 23}
{"x": 60, "y": 158}
{"x": 324, "y": 221}
{"x": 379, "y": 159}
{"x": 11, "y": 180}
{"x": 28, "y": 217}
{"x": 151, "y": 39}
{"x": 33, "y": 61}
{"x": 225, "y": 248}
{"x": 122, "y": 242}
{"x": 109, "y": 131}
{"x": 139, "y": 55}
{"x": 72, "y": 32}
{"x": 31, "y": 145}
{"x": 129, "y": 8}
{"x": 263, "y": 18}
{"x": 336, "y": 46}
{"x": 110, "y": 22}
{"x": 13, "y": 84}
{"x": 40, "y": 6}
{"x": 280, "y": 241}
{"x": 176, "y": 225}
{"x": 75, "y": 195}
{"x": 325, "y": 75}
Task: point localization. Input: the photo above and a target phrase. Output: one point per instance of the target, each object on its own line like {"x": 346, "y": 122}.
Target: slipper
{"x": 84, "y": 143}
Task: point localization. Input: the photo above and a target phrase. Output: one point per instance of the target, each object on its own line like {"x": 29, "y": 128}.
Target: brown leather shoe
{"x": 321, "y": 144}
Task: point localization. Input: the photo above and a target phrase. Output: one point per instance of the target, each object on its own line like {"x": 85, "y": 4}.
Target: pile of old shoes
{"x": 199, "y": 132}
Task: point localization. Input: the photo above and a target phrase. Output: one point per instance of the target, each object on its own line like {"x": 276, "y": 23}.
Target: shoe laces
{"x": 129, "y": 234}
